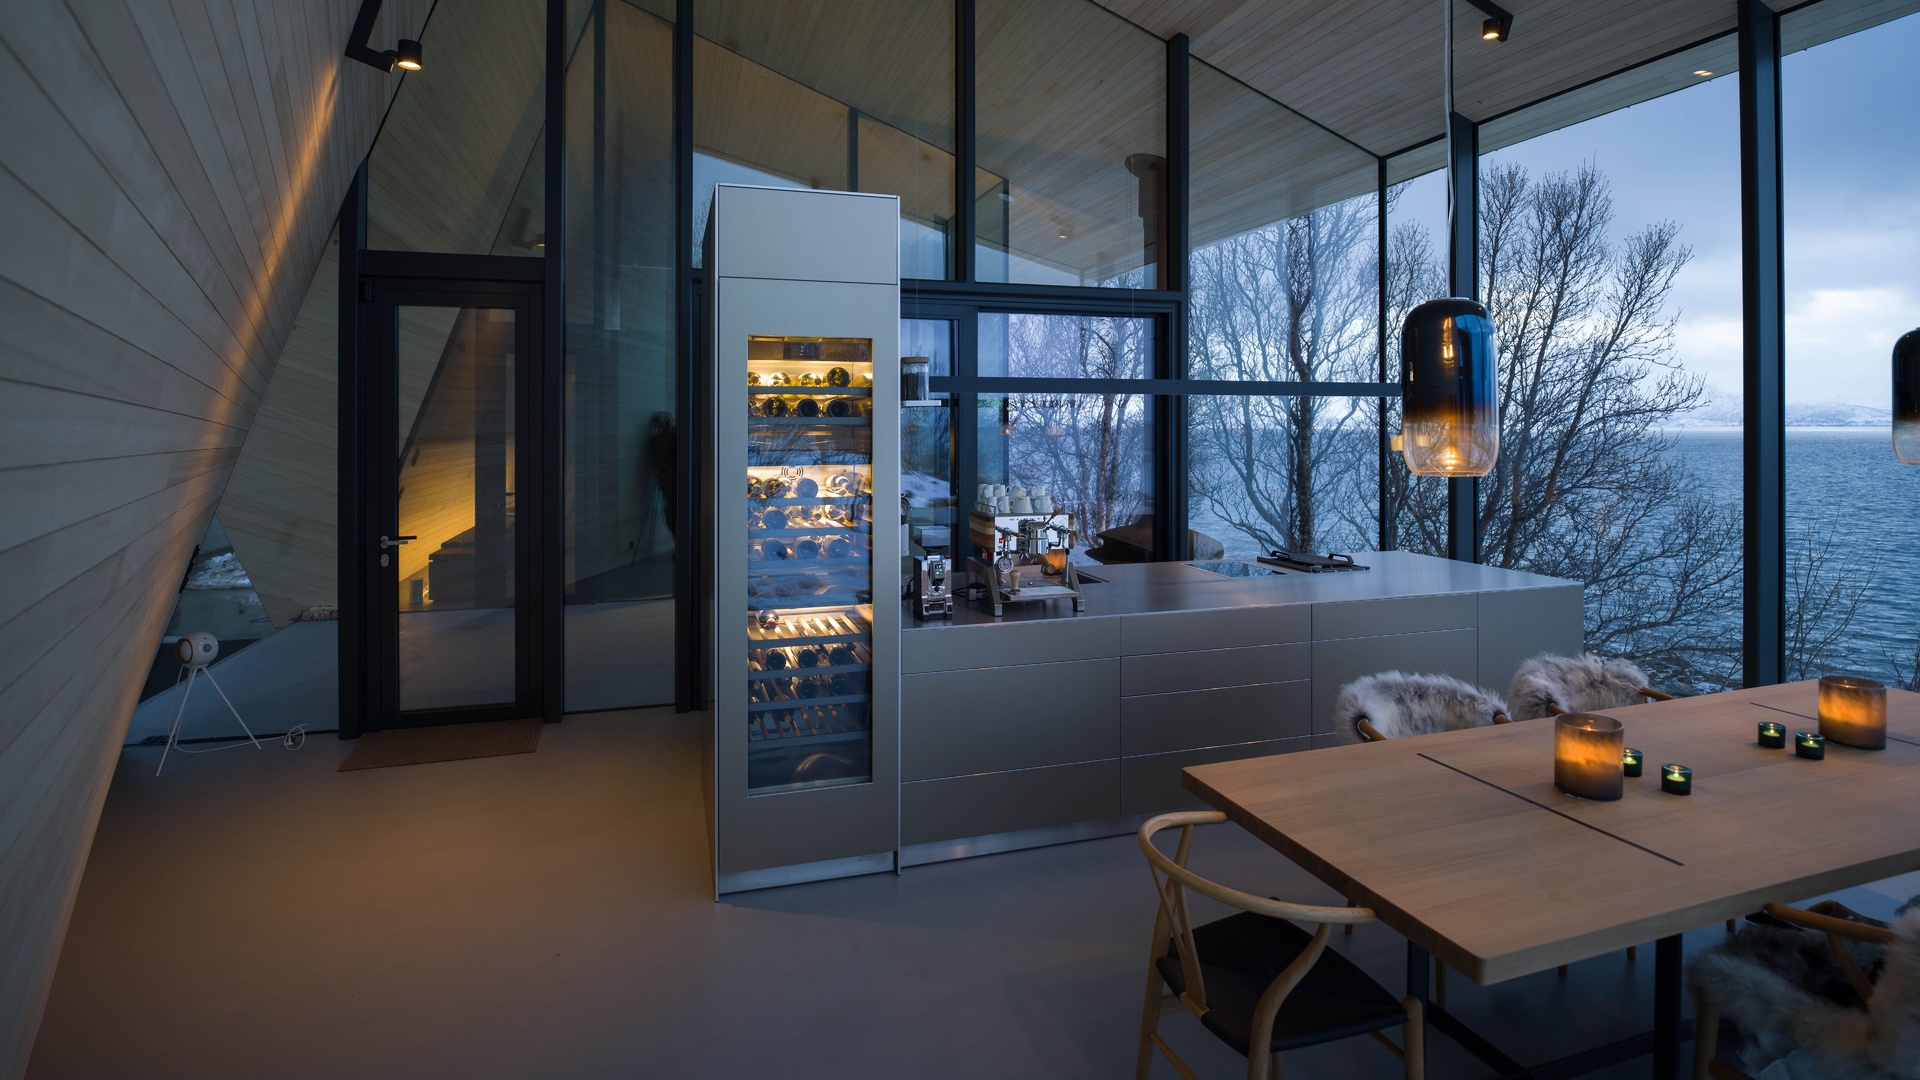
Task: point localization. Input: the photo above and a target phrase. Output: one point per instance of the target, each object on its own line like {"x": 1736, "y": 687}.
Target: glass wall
{"x": 1853, "y": 287}
{"x": 1072, "y": 136}
{"x": 1610, "y": 256}
{"x": 620, "y": 380}
{"x": 1414, "y": 517}
{"x": 1093, "y": 451}
{"x": 475, "y": 122}
{"x": 1285, "y": 288}
{"x": 845, "y": 95}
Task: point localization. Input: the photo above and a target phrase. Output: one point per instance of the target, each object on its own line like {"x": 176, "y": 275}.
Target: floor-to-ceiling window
{"x": 1413, "y": 509}
{"x": 1852, "y": 201}
{"x": 1284, "y": 288}
{"x": 1609, "y": 255}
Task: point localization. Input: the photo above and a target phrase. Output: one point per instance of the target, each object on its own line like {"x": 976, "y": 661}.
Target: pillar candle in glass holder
{"x": 1588, "y": 751}
{"x": 1810, "y": 745}
{"x": 1676, "y": 779}
{"x": 1631, "y": 761}
{"x": 1853, "y": 711}
{"x": 1773, "y": 736}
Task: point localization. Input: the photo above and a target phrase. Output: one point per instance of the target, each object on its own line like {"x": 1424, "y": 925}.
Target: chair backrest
{"x": 1395, "y": 705}
{"x": 1587, "y": 683}
{"x": 1841, "y": 925}
{"x": 1174, "y": 923}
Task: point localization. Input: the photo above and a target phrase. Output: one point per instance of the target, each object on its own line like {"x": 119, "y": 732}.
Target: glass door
{"x": 450, "y": 459}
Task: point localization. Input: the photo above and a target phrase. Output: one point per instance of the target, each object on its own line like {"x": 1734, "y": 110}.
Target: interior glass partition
{"x": 620, "y": 378}
{"x": 843, "y": 95}
{"x": 1610, "y": 255}
{"x": 1072, "y": 136}
{"x": 1852, "y": 288}
{"x": 458, "y": 165}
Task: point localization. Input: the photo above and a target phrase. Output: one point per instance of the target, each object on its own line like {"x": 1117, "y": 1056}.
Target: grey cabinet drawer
{"x": 953, "y": 723}
{"x": 1222, "y": 628}
{"x": 1235, "y": 714}
{"x": 1337, "y": 663}
{"x": 1166, "y": 673}
{"x": 1049, "y": 641}
{"x": 1400, "y": 615}
{"x": 1151, "y": 785}
{"x": 964, "y": 806}
{"x": 1517, "y": 624}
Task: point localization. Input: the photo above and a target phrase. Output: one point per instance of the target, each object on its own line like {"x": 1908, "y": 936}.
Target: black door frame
{"x": 376, "y": 280}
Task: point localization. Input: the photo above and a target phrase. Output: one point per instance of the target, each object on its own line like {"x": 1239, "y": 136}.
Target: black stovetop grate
{"x": 1310, "y": 563}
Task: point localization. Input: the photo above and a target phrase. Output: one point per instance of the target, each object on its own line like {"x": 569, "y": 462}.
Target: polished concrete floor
{"x": 549, "y": 915}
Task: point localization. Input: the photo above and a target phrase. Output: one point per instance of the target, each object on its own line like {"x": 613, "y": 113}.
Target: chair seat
{"x": 1240, "y": 957}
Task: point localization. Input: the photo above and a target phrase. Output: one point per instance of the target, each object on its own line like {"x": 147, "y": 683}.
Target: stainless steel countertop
{"x": 1147, "y": 588}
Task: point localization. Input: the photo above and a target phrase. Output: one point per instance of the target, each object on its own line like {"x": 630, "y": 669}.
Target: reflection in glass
{"x": 1072, "y": 144}
{"x": 458, "y": 164}
{"x": 456, "y": 482}
{"x": 621, "y": 431}
{"x": 837, "y": 94}
{"x": 1299, "y": 473}
{"x": 926, "y": 437}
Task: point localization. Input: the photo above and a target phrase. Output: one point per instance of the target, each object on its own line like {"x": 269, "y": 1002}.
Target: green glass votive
{"x": 1773, "y": 736}
{"x": 1810, "y": 745}
{"x": 1631, "y": 761}
{"x": 1676, "y": 779}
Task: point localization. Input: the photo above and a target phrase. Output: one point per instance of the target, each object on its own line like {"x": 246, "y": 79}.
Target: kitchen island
{"x": 1048, "y": 724}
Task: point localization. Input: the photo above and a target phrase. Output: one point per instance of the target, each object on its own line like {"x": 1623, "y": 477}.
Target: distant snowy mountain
{"x": 1723, "y": 411}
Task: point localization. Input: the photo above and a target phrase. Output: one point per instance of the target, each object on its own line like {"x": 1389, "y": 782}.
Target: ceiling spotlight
{"x": 1703, "y": 73}
{"x": 406, "y": 57}
{"x": 1499, "y": 20}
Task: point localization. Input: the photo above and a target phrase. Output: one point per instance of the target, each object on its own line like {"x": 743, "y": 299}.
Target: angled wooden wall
{"x": 168, "y": 175}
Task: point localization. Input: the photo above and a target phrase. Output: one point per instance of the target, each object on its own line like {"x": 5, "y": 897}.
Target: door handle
{"x": 395, "y": 542}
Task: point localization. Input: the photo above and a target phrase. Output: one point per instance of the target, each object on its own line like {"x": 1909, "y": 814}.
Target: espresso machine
{"x": 1023, "y": 558}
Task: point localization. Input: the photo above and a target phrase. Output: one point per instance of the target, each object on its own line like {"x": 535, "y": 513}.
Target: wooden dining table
{"x": 1460, "y": 841}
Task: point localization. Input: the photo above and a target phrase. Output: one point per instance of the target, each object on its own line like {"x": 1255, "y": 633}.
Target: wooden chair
{"x": 1550, "y": 685}
{"x": 1828, "y": 917}
{"x": 1261, "y": 984}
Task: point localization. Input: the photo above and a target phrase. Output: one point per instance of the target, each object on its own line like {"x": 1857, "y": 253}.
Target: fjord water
{"x": 1846, "y": 479}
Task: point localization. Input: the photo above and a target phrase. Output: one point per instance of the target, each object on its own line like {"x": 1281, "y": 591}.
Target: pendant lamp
{"x": 1906, "y": 398}
{"x": 1449, "y": 412}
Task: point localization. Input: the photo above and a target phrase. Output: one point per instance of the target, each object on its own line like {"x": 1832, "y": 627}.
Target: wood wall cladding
{"x": 168, "y": 177}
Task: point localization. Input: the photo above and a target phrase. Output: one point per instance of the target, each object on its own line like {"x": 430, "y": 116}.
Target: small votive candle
{"x": 1631, "y": 761}
{"x": 1588, "y": 751}
{"x": 1773, "y": 736}
{"x": 1810, "y": 745}
{"x": 1853, "y": 711}
{"x": 1676, "y": 779}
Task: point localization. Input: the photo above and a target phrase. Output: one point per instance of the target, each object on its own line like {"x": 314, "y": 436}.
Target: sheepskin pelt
{"x": 1779, "y": 991}
{"x": 1398, "y": 705}
{"x": 1584, "y": 683}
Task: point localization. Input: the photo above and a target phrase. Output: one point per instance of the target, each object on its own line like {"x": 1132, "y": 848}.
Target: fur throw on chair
{"x": 1780, "y": 992}
{"x": 1398, "y": 705}
{"x": 1583, "y": 683}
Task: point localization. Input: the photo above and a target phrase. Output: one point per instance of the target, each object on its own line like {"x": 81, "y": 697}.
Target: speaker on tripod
{"x": 196, "y": 651}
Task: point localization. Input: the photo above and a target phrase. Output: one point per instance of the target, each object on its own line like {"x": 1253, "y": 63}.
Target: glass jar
{"x": 916, "y": 378}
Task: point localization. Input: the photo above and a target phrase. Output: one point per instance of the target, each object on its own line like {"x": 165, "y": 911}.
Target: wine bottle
{"x": 805, "y": 488}
{"x": 806, "y": 548}
{"x": 773, "y": 406}
{"x": 807, "y": 688}
{"x": 807, "y": 407}
{"x": 840, "y": 655}
{"x": 839, "y": 548}
{"x": 773, "y": 519}
{"x": 776, "y": 660}
{"x": 840, "y": 407}
{"x": 838, "y": 377}
{"x": 842, "y": 686}
{"x": 774, "y": 549}
{"x": 809, "y": 658}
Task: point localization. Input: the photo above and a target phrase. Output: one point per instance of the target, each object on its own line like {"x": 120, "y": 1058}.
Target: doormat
{"x": 448, "y": 742}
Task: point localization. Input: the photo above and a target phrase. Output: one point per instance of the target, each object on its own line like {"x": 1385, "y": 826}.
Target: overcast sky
{"x": 1852, "y": 147}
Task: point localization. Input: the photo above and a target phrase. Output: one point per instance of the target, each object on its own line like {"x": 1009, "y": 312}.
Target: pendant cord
{"x": 1446, "y": 97}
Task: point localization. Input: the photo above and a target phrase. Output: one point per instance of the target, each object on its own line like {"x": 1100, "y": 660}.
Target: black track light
{"x": 406, "y": 57}
{"x": 1499, "y": 20}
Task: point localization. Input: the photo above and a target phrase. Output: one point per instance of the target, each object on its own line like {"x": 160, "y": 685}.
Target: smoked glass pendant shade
{"x": 1449, "y": 414}
{"x": 1906, "y": 398}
